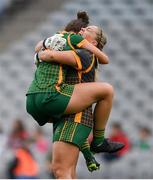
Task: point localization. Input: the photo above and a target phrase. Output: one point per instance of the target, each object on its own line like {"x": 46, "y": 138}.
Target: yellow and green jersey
{"x": 73, "y": 41}
{"x": 73, "y": 77}
{"x": 50, "y": 77}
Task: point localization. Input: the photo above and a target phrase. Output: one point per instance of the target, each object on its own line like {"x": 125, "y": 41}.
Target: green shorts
{"x": 43, "y": 106}
{"x": 71, "y": 132}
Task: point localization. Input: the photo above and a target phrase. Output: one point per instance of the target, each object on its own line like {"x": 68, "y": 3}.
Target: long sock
{"x": 98, "y": 136}
{"x": 85, "y": 149}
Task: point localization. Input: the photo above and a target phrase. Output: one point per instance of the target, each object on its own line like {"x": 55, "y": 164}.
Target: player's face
{"x": 89, "y": 33}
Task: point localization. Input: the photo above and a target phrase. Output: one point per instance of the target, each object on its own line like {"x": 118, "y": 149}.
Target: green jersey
{"x": 50, "y": 77}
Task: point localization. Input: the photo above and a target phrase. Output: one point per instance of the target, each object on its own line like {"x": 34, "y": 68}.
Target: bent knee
{"x": 109, "y": 89}
{"x": 60, "y": 171}
{"x": 57, "y": 170}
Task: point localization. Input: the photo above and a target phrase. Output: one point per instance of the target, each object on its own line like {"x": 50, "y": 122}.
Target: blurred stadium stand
{"x": 4, "y": 5}
{"x": 129, "y": 27}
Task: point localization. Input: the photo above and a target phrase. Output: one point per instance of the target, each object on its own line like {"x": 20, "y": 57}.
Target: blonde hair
{"x": 101, "y": 39}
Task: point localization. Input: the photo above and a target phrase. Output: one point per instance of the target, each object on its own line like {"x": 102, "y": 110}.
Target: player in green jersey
{"x": 85, "y": 94}
{"x": 73, "y": 132}
{"x": 76, "y": 25}
{"x": 48, "y": 97}
{"x": 49, "y": 78}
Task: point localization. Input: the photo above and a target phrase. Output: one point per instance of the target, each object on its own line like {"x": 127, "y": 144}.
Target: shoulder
{"x": 83, "y": 53}
{"x": 75, "y": 35}
{"x": 76, "y": 38}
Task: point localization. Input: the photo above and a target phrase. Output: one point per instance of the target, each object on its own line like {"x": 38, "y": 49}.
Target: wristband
{"x": 44, "y": 43}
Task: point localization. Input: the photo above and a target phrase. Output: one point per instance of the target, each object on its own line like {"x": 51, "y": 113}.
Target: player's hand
{"x": 56, "y": 42}
{"x": 36, "y": 59}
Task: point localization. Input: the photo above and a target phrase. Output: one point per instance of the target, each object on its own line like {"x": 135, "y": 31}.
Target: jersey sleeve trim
{"x": 84, "y": 41}
{"x": 69, "y": 43}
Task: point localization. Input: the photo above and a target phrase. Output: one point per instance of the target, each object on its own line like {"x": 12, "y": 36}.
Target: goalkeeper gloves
{"x": 36, "y": 59}
{"x": 56, "y": 42}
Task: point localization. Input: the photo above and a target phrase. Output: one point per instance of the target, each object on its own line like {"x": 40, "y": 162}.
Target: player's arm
{"x": 38, "y": 46}
{"x": 63, "y": 57}
{"x": 80, "y": 42}
{"x": 102, "y": 57}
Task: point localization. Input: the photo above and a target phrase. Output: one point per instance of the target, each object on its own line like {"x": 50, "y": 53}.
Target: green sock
{"x": 98, "y": 136}
{"x": 85, "y": 149}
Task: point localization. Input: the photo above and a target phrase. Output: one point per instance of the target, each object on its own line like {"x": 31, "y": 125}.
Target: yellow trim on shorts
{"x": 84, "y": 147}
{"x": 62, "y": 131}
{"x": 73, "y": 133}
{"x": 58, "y": 90}
{"x": 84, "y": 41}
{"x": 77, "y": 118}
